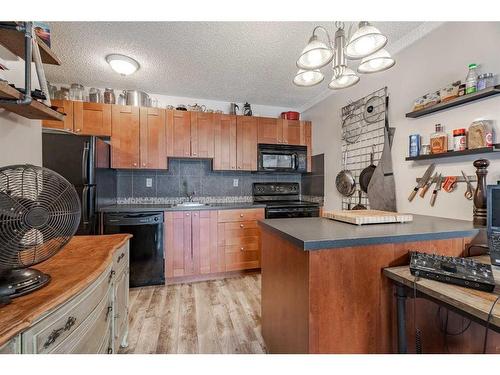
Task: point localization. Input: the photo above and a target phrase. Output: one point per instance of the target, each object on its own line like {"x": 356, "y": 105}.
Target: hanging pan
{"x": 345, "y": 182}
{"x": 367, "y": 173}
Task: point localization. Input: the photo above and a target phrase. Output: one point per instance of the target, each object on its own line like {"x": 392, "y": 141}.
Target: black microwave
{"x": 282, "y": 158}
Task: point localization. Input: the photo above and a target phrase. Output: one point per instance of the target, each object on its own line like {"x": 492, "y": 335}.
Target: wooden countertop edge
{"x": 22, "y": 325}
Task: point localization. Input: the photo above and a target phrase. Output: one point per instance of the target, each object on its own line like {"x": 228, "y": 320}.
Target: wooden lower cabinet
{"x": 209, "y": 242}
{"x": 94, "y": 321}
{"x": 239, "y": 238}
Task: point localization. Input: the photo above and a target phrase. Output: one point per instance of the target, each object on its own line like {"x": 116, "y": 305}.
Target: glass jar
{"x": 481, "y": 82}
{"x": 439, "y": 140}
{"x": 489, "y": 79}
{"x": 62, "y": 94}
{"x": 459, "y": 139}
{"x": 94, "y": 95}
{"x": 76, "y": 92}
{"x": 109, "y": 96}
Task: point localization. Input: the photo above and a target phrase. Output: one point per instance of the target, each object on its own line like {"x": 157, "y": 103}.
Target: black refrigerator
{"x": 85, "y": 162}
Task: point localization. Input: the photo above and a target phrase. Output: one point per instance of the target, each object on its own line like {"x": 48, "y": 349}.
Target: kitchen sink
{"x": 191, "y": 204}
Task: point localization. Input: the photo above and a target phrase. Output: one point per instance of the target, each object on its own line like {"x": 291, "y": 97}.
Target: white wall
{"x": 436, "y": 60}
{"x": 20, "y": 138}
{"x": 164, "y": 100}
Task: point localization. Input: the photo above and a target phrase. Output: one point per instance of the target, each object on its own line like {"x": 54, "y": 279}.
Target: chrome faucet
{"x": 190, "y": 196}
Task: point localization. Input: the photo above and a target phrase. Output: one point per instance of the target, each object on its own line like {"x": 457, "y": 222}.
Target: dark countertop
{"x": 319, "y": 233}
{"x": 171, "y": 207}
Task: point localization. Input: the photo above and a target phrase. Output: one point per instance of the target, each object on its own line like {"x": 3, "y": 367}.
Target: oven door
{"x": 277, "y": 161}
{"x": 280, "y": 213}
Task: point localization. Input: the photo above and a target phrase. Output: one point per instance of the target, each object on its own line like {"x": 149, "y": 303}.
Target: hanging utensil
{"x": 423, "y": 180}
{"x": 382, "y": 187}
{"x": 373, "y": 110}
{"x": 469, "y": 193}
{"x": 428, "y": 184}
{"x": 436, "y": 189}
{"x": 367, "y": 173}
{"x": 359, "y": 206}
{"x": 345, "y": 182}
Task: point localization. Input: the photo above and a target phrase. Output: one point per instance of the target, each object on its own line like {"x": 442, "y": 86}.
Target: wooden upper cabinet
{"x": 202, "y": 134}
{"x": 269, "y": 130}
{"x": 125, "y": 137}
{"x": 153, "y": 138}
{"x": 292, "y": 131}
{"x": 179, "y": 133}
{"x": 246, "y": 143}
{"x": 307, "y": 138}
{"x": 92, "y": 118}
{"x": 224, "y": 142}
{"x": 63, "y": 106}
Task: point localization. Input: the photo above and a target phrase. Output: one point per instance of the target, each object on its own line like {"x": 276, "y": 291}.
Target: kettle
{"x": 247, "y": 110}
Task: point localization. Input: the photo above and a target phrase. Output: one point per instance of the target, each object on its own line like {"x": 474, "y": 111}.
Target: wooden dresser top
{"x": 75, "y": 267}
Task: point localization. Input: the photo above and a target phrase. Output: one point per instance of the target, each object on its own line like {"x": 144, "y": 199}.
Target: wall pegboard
{"x": 363, "y": 123}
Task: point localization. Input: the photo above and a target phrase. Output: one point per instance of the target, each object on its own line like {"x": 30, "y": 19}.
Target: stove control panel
{"x": 276, "y": 188}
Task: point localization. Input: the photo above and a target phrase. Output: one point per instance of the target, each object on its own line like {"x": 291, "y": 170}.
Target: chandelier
{"x": 366, "y": 44}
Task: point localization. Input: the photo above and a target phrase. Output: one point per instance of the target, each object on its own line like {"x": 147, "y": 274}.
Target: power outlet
{"x": 235, "y": 182}
{"x": 149, "y": 182}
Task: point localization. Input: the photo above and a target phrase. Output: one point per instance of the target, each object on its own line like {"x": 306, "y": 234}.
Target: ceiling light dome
{"x": 306, "y": 78}
{"x": 377, "y": 62}
{"x": 122, "y": 64}
{"x": 348, "y": 78}
{"x": 315, "y": 55}
{"x": 365, "y": 41}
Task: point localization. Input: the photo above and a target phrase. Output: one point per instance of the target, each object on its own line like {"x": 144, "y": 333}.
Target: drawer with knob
{"x": 227, "y": 216}
{"x": 49, "y": 332}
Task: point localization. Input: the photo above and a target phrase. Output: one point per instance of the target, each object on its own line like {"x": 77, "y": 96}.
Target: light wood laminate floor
{"x": 221, "y": 316}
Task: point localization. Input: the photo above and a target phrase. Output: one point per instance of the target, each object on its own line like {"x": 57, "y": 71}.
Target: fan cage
{"x": 39, "y": 213}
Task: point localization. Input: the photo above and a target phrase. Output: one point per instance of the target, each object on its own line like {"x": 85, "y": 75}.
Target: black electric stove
{"x": 282, "y": 200}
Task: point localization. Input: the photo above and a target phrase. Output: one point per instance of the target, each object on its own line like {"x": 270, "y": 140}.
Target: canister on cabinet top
{"x": 414, "y": 145}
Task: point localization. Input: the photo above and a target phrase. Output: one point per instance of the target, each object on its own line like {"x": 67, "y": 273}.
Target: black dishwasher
{"x": 147, "y": 263}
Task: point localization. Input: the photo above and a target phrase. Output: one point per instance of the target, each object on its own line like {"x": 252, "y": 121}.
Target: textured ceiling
{"x": 232, "y": 61}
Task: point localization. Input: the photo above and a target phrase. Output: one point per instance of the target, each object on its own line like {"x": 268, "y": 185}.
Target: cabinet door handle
{"x": 111, "y": 275}
{"x": 110, "y": 308}
{"x": 241, "y": 215}
{"x": 194, "y": 153}
{"x": 241, "y": 248}
{"x": 242, "y": 226}
{"x": 120, "y": 257}
{"x": 110, "y": 350}
{"x": 57, "y": 332}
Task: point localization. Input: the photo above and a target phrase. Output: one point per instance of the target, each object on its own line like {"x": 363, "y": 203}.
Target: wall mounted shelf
{"x": 35, "y": 110}
{"x": 475, "y": 151}
{"x": 461, "y": 100}
{"x": 13, "y": 40}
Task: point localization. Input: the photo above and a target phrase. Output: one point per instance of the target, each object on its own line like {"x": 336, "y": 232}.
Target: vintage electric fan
{"x": 39, "y": 213}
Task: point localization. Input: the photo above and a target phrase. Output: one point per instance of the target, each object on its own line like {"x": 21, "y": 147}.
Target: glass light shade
{"x": 122, "y": 64}
{"x": 315, "y": 55}
{"x": 307, "y": 78}
{"x": 347, "y": 79}
{"x": 365, "y": 41}
{"x": 377, "y": 62}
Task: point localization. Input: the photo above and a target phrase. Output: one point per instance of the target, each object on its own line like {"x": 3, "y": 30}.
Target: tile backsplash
{"x": 185, "y": 175}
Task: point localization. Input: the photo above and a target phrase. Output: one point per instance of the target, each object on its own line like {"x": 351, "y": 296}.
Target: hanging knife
{"x": 428, "y": 185}
{"x": 436, "y": 189}
{"x": 423, "y": 181}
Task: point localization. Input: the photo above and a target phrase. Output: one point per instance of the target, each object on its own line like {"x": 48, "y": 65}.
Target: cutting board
{"x": 361, "y": 217}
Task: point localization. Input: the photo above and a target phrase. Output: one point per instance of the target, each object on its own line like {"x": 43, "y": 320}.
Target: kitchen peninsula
{"x": 323, "y": 290}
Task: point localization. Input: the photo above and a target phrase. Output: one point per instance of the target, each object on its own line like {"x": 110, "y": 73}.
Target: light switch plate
{"x": 235, "y": 182}
{"x": 149, "y": 182}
